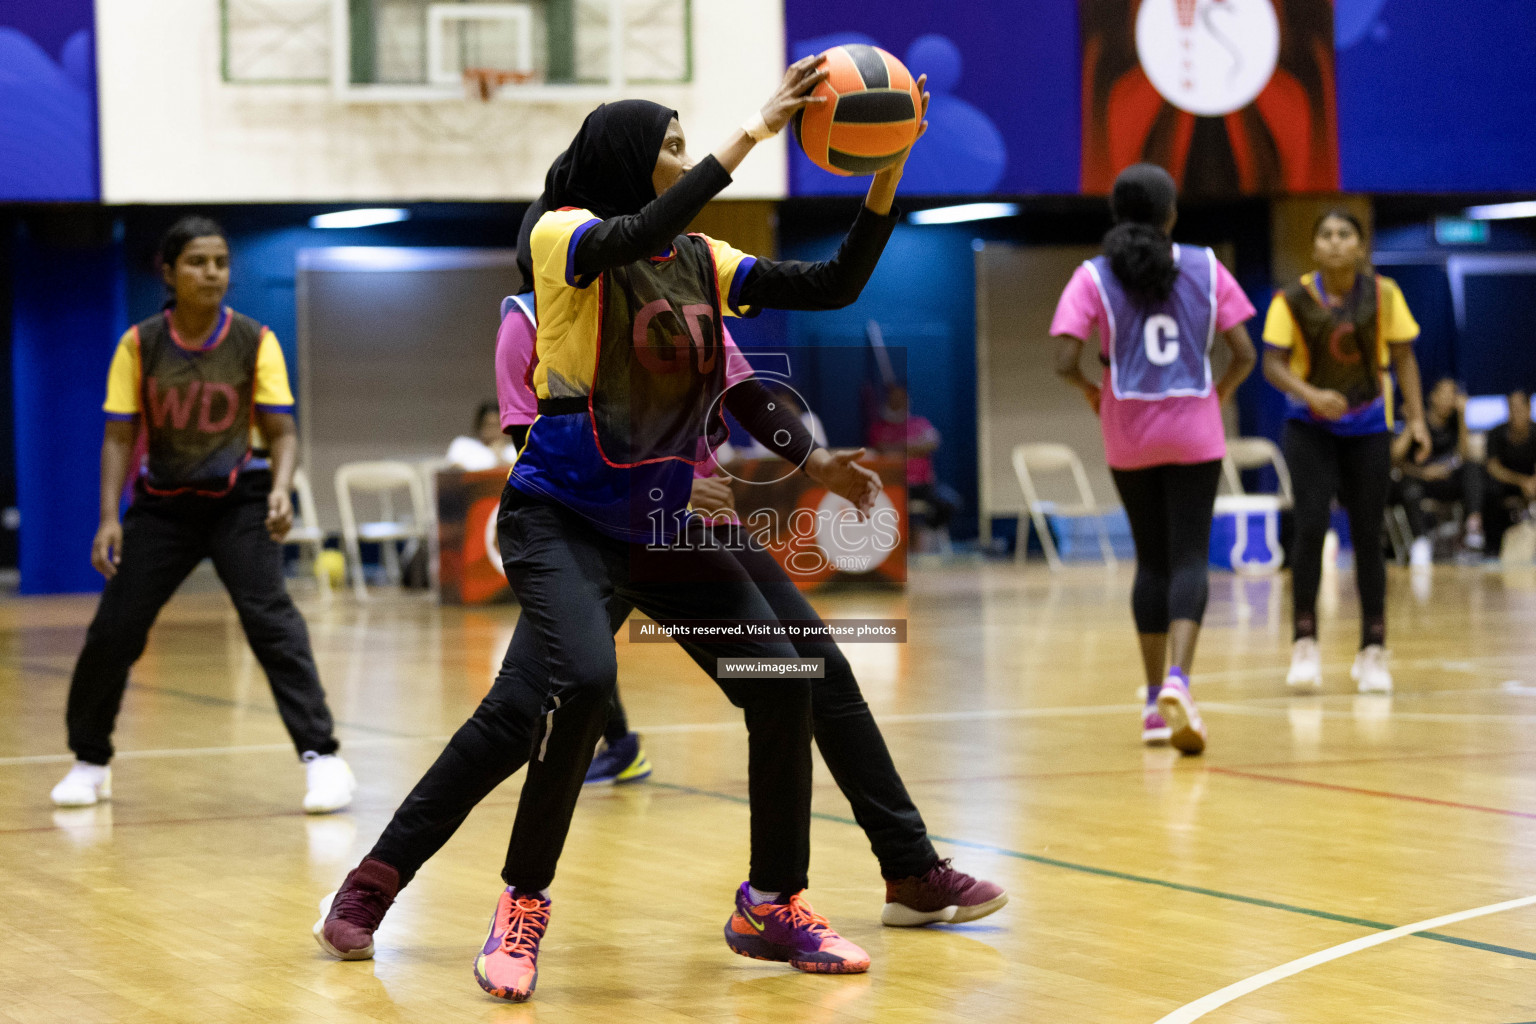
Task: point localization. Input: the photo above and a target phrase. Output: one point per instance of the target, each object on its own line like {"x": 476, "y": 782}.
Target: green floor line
{"x": 1124, "y": 876}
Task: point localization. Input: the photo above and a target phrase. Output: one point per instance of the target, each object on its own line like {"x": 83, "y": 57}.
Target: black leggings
{"x": 569, "y": 579}
{"x": 163, "y": 540}
{"x": 1170, "y": 512}
{"x": 495, "y": 742}
{"x": 1358, "y": 470}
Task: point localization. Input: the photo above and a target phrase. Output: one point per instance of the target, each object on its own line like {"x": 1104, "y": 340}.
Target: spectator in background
{"x": 898, "y": 432}
{"x": 1449, "y": 475}
{"x": 1511, "y": 469}
{"x": 488, "y": 449}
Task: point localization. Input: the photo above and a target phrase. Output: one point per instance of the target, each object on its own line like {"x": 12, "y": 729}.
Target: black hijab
{"x": 536, "y": 209}
{"x": 607, "y": 168}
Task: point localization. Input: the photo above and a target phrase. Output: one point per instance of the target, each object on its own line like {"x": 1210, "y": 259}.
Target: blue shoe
{"x": 620, "y": 762}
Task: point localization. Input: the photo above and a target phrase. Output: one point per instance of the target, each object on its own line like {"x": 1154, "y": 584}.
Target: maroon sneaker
{"x": 943, "y": 894}
{"x": 350, "y": 915}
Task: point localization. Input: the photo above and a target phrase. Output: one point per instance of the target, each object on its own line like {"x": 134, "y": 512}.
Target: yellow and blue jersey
{"x": 196, "y": 401}
{"x": 1323, "y": 341}
{"x": 629, "y": 365}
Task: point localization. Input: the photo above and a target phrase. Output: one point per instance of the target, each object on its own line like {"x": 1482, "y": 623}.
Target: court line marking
{"x": 207, "y": 699}
{"x": 741, "y": 800}
{"x": 1125, "y": 876}
{"x": 1387, "y": 794}
{"x": 1467, "y": 666}
{"x": 1169, "y": 768}
{"x": 1389, "y": 713}
{"x": 251, "y": 748}
{"x": 110, "y": 825}
{"x": 384, "y": 737}
{"x": 1204, "y": 1005}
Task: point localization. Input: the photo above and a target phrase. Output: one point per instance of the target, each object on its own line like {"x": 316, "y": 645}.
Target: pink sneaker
{"x": 508, "y": 964}
{"x": 791, "y": 932}
{"x": 1154, "y": 730}
{"x": 1186, "y": 731}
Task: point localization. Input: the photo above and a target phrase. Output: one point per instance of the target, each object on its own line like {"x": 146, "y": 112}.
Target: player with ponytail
{"x": 1156, "y": 308}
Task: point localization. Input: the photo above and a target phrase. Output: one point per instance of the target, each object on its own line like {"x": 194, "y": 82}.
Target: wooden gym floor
{"x": 1143, "y": 885}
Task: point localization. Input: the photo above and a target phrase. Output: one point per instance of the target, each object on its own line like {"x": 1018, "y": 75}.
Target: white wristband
{"x": 757, "y": 129}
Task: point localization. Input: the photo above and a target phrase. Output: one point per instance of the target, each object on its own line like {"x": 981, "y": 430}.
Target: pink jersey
{"x": 886, "y": 436}
{"x": 514, "y": 355}
{"x": 1142, "y": 430}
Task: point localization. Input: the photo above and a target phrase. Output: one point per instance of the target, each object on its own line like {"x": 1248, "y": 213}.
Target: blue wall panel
{"x": 1017, "y": 70}
{"x": 1437, "y": 95}
{"x": 923, "y": 295}
{"x": 69, "y": 309}
{"x": 48, "y": 137}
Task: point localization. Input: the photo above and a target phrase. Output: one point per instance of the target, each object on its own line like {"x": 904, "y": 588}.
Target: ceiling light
{"x": 964, "y": 212}
{"x": 364, "y": 218}
{"x": 1501, "y": 211}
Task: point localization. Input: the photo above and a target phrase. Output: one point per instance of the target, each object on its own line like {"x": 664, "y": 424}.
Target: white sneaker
{"x": 1306, "y": 665}
{"x": 1370, "y": 670}
{"x": 330, "y": 782}
{"x": 1422, "y": 554}
{"x": 86, "y": 784}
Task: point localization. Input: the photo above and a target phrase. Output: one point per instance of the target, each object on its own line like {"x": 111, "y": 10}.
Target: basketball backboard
{"x": 424, "y": 50}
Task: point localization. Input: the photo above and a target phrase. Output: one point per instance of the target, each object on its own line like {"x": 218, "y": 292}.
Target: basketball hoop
{"x": 484, "y": 83}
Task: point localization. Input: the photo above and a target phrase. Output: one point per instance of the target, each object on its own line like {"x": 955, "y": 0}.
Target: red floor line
{"x": 1475, "y": 756}
{"x": 1195, "y": 765}
{"x": 1375, "y": 792}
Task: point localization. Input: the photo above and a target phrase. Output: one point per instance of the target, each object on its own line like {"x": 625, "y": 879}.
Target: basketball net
{"x": 484, "y": 83}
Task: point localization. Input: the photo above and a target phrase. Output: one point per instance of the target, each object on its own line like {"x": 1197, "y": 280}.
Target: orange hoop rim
{"x": 484, "y": 83}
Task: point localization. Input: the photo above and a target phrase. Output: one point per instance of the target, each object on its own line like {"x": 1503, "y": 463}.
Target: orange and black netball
{"x": 871, "y": 116}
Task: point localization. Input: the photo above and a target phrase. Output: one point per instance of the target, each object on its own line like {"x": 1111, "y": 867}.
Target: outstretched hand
{"x": 882, "y": 190}
{"x": 895, "y": 169}
{"x": 794, "y": 92}
{"x": 840, "y": 472}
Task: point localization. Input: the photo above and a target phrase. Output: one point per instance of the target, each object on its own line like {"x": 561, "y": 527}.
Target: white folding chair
{"x": 383, "y": 480}
{"x": 306, "y": 533}
{"x": 429, "y": 468}
{"x": 1254, "y": 453}
{"x": 1029, "y": 459}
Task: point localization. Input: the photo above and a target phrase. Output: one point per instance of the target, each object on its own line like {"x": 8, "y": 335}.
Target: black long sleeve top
{"x": 770, "y": 284}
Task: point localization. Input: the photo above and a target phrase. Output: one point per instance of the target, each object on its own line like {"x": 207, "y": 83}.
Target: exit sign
{"x": 1460, "y": 231}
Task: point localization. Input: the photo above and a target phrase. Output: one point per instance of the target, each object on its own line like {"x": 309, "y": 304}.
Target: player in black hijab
{"x": 629, "y": 372}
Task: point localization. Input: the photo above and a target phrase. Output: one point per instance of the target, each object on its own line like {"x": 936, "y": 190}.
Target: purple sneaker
{"x": 1186, "y": 730}
{"x": 1154, "y": 730}
{"x": 618, "y": 763}
{"x": 791, "y": 932}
